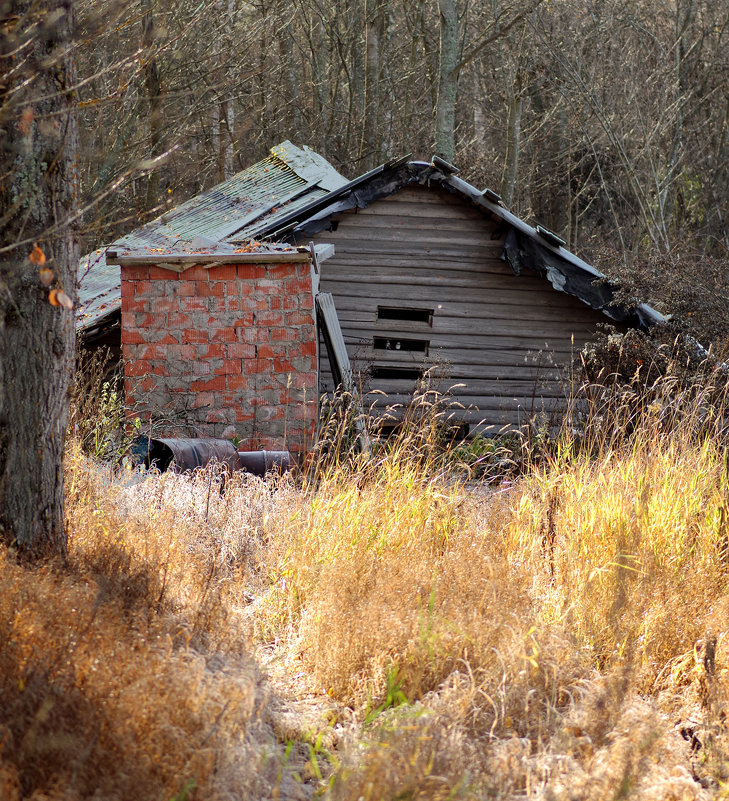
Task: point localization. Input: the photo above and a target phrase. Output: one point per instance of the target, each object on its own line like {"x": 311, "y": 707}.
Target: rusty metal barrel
{"x": 177, "y": 453}
{"x": 181, "y": 454}
{"x": 261, "y": 462}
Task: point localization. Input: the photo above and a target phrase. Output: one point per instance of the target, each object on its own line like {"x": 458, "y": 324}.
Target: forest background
{"x": 605, "y": 121}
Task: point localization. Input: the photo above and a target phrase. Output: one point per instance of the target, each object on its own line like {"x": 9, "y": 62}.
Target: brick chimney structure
{"x": 222, "y": 343}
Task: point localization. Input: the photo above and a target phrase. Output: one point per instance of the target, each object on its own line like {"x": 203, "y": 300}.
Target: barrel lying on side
{"x": 261, "y": 462}
{"x": 187, "y": 454}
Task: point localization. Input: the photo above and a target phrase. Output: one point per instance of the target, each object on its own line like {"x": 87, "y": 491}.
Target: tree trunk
{"x": 358, "y": 72}
{"x": 223, "y": 114}
{"x": 370, "y": 147}
{"x": 38, "y": 201}
{"x": 153, "y": 86}
{"x": 291, "y": 106}
{"x": 445, "y": 112}
{"x": 513, "y": 146}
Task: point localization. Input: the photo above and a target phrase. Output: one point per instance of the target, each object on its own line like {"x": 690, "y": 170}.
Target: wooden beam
{"x": 181, "y": 261}
{"x": 339, "y": 359}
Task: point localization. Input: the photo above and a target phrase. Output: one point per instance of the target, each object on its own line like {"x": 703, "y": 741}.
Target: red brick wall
{"x": 233, "y": 345}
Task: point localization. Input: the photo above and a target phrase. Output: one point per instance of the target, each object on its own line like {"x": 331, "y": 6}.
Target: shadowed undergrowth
{"x": 123, "y": 673}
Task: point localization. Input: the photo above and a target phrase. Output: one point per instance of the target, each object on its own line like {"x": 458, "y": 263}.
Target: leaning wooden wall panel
{"x": 507, "y": 339}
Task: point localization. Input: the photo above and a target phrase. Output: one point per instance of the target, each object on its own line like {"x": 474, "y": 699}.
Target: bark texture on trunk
{"x": 513, "y": 147}
{"x": 370, "y": 147}
{"x": 445, "y": 112}
{"x": 38, "y": 196}
{"x": 153, "y": 86}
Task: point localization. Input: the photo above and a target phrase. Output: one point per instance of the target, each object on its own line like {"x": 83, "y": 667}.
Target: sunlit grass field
{"x": 383, "y": 628}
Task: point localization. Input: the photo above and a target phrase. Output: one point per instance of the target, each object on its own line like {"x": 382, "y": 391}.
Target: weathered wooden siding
{"x": 506, "y": 339}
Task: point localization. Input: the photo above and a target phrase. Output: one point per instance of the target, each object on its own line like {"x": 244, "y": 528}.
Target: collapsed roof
{"x": 295, "y": 192}
{"x": 288, "y": 179}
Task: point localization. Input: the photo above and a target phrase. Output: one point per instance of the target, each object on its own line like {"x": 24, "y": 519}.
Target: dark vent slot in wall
{"x": 397, "y": 373}
{"x": 391, "y": 343}
{"x": 455, "y": 433}
{"x": 401, "y": 313}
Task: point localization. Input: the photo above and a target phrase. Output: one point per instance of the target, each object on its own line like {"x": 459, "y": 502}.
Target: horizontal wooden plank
{"x": 418, "y": 236}
{"x": 448, "y": 331}
{"x": 504, "y": 317}
{"x": 514, "y": 351}
{"x": 418, "y": 219}
{"x": 430, "y": 266}
{"x": 486, "y": 365}
{"x": 464, "y": 342}
{"x": 495, "y": 375}
{"x": 473, "y": 381}
{"x": 423, "y": 240}
{"x": 470, "y": 407}
{"x": 457, "y": 302}
{"x": 426, "y": 202}
{"x": 414, "y": 218}
{"x": 472, "y": 303}
{"x": 455, "y": 358}
{"x": 360, "y": 266}
{"x": 533, "y": 338}
{"x": 478, "y": 405}
{"x": 493, "y": 414}
{"x": 392, "y": 251}
{"x": 380, "y": 279}
{"x": 450, "y": 355}
{"x": 452, "y": 216}
{"x": 404, "y": 358}
{"x": 483, "y": 379}
{"x": 428, "y": 196}
{"x": 471, "y": 386}
{"x": 477, "y": 419}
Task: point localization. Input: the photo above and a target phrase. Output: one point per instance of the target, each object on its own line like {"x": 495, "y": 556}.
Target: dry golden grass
{"x": 563, "y": 636}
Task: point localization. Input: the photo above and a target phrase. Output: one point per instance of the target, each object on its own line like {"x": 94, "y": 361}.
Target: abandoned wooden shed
{"x": 427, "y": 272}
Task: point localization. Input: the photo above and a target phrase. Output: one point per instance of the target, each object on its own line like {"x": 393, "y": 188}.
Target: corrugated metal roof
{"x": 290, "y": 177}
{"x": 99, "y": 290}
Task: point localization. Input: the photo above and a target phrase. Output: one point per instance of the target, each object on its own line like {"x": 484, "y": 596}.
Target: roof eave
{"x": 182, "y": 261}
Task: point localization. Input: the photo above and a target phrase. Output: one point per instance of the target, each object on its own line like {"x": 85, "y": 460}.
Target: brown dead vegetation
{"x": 561, "y": 635}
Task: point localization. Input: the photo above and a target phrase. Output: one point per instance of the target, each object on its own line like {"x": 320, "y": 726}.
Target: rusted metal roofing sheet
{"x": 290, "y": 177}
{"x": 287, "y": 177}
{"x": 99, "y": 291}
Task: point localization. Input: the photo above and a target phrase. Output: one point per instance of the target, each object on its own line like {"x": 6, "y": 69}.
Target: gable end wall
{"x": 501, "y": 345}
